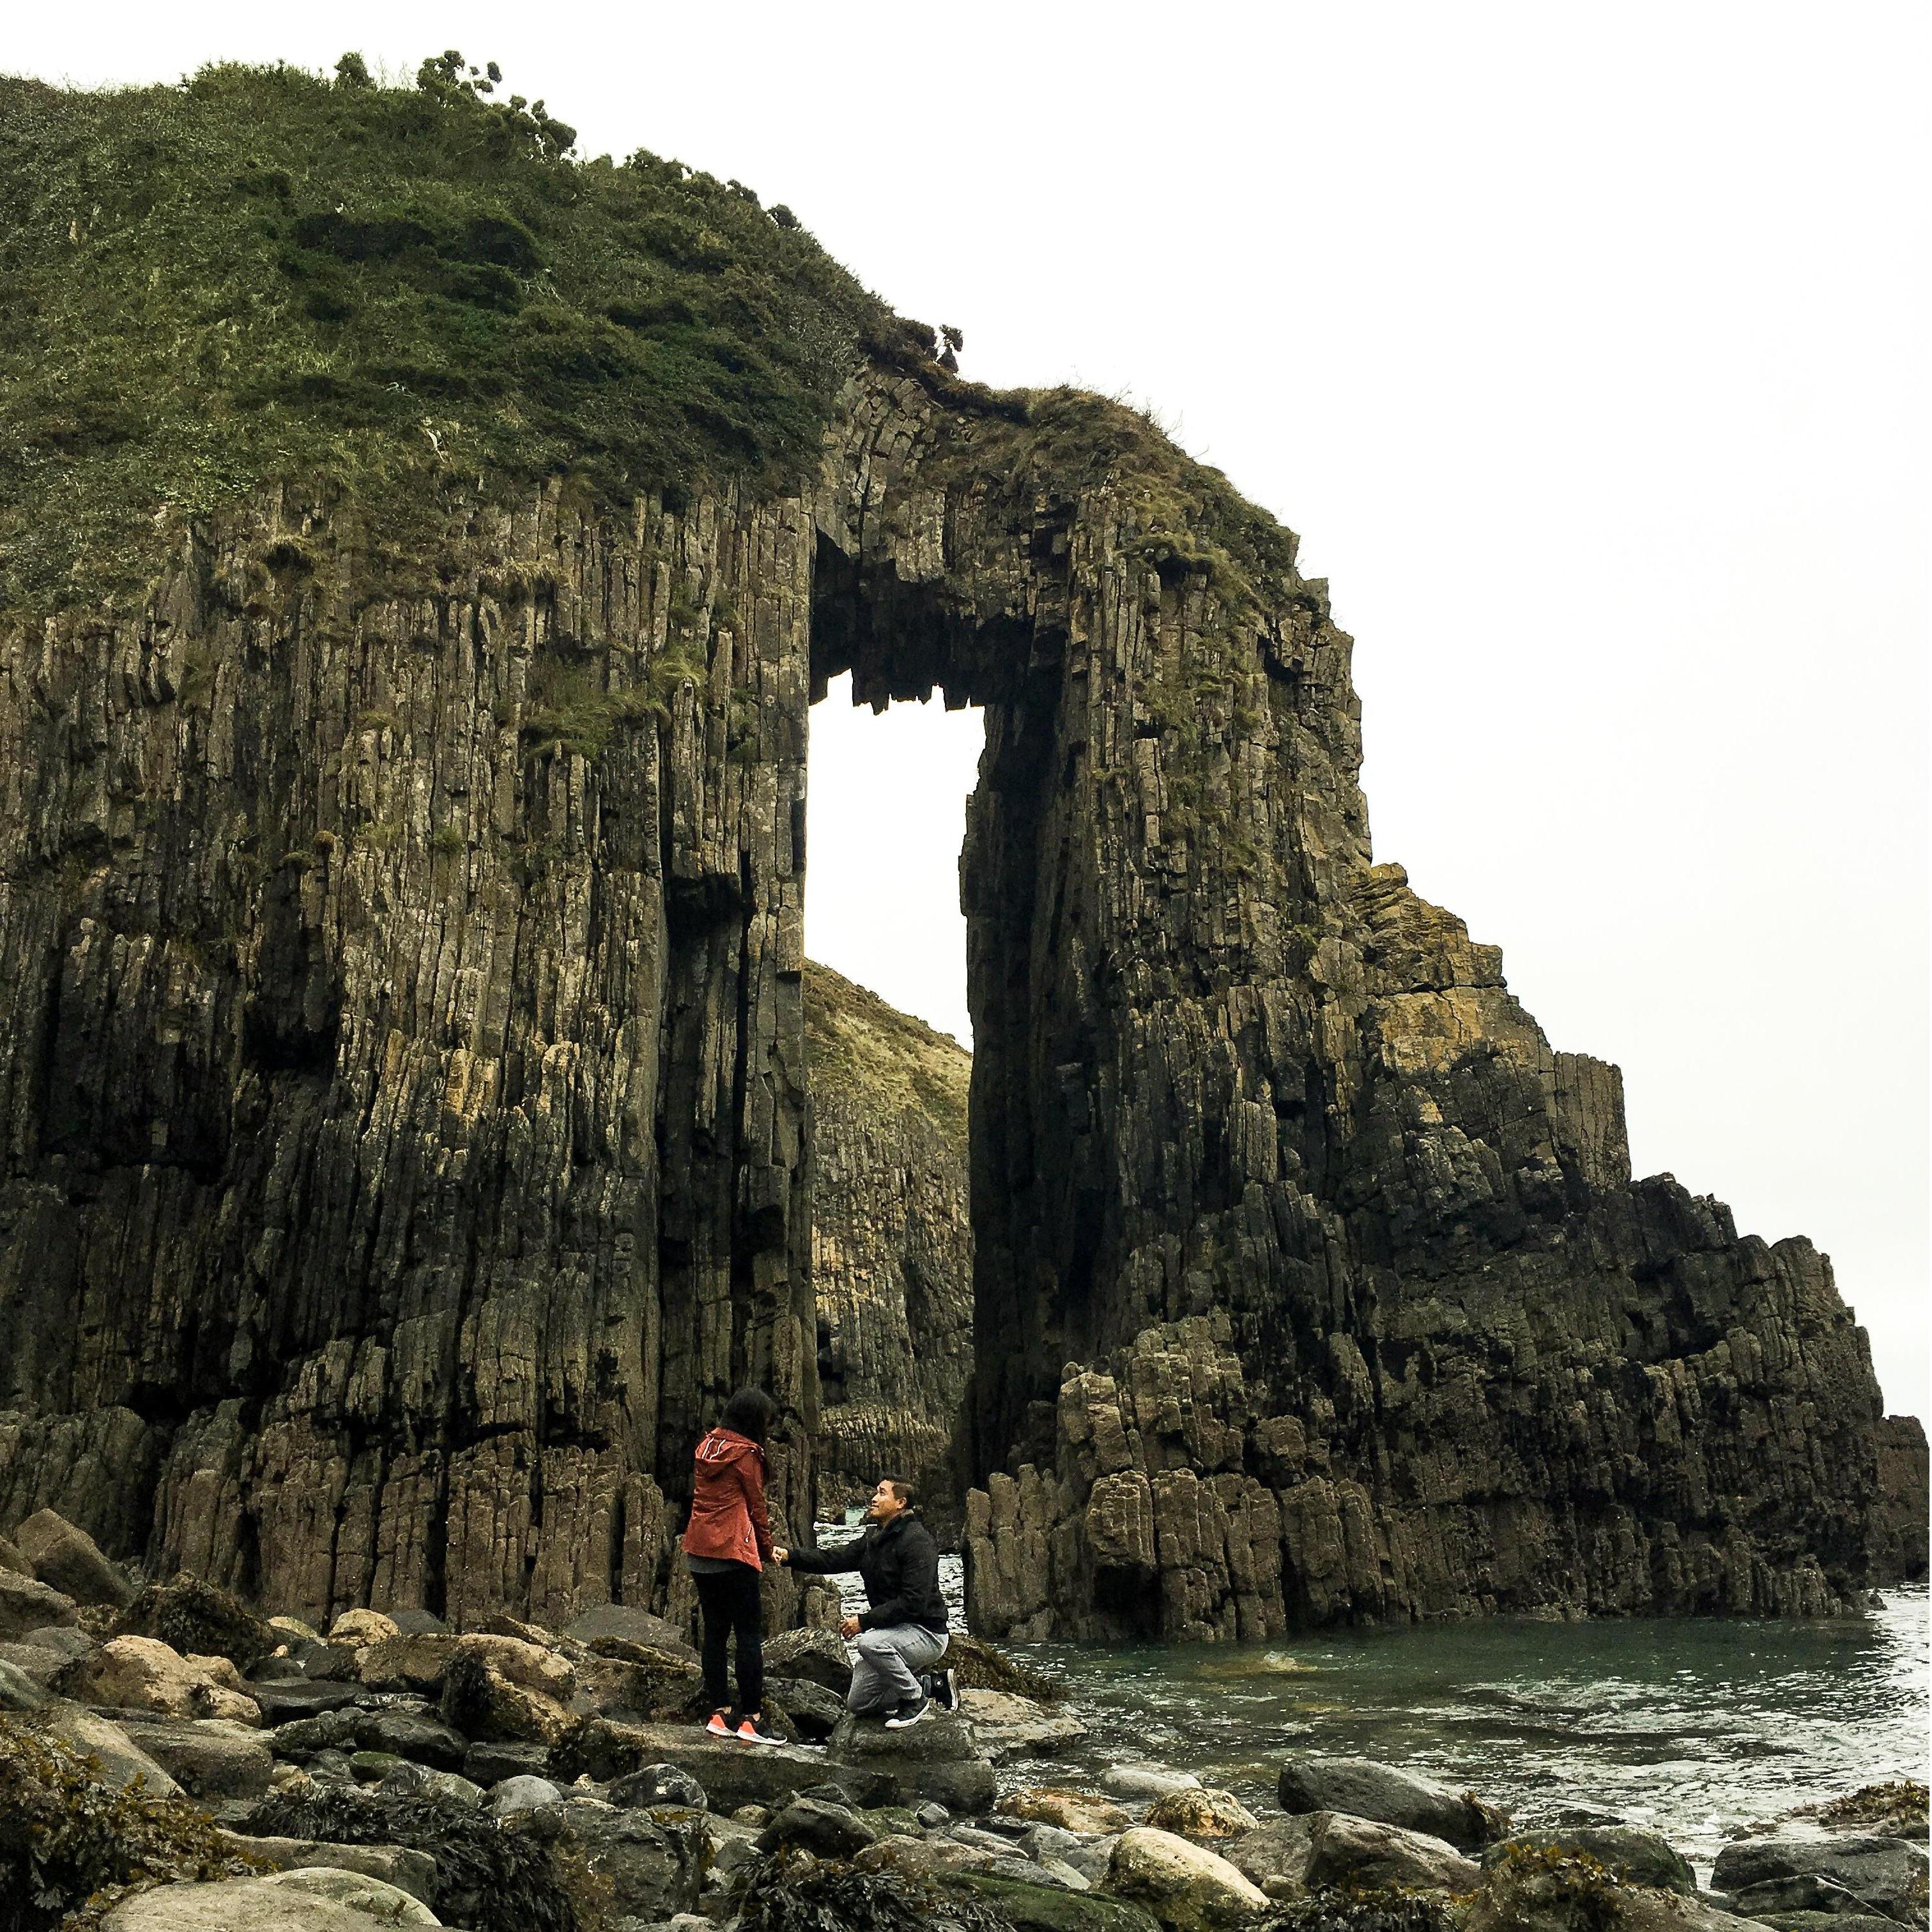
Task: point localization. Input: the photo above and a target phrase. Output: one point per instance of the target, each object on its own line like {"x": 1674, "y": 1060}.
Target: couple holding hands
{"x": 900, "y": 1639}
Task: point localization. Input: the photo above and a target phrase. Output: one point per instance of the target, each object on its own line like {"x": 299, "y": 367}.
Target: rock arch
{"x": 406, "y": 1102}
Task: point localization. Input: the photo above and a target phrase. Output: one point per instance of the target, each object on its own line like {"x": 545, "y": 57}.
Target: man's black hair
{"x": 901, "y": 1488}
{"x": 749, "y": 1412}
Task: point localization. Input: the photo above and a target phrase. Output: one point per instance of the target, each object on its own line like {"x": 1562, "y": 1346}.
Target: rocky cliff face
{"x": 1905, "y": 1501}
{"x": 404, "y": 1087}
{"x": 891, "y": 1248}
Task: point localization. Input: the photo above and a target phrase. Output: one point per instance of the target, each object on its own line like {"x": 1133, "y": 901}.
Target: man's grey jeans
{"x": 887, "y": 1672}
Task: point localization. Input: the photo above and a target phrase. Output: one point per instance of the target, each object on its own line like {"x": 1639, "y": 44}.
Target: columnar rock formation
{"x": 892, "y": 1247}
{"x": 404, "y": 1086}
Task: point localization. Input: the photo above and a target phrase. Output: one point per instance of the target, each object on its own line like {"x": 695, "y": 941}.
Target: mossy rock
{"x": 1046, "y": 1908}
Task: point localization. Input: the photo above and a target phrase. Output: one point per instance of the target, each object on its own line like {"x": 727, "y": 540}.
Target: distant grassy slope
{"x": 880, "y": 1061}
{"x": 262, "y": 273}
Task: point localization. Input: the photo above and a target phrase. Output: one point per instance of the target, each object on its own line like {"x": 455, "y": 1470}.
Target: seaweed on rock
{"x": 1387, "y": 1908}
{"x": 793, "y": 1892}
{"x": 71, "y": 1844}
{"x": 494, "y": 1877}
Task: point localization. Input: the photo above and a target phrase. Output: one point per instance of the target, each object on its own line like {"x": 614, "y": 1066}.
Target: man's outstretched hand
{"x": 848, "y": 1626}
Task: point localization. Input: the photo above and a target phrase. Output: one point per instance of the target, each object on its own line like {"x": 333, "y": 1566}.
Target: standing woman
{"x": 727, "y": 1542}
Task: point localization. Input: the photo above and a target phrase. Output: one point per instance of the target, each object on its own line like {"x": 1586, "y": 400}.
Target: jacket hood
{"x": 726, "y": 1445}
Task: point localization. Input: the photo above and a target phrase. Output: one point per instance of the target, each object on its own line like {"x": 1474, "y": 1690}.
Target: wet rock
{"x": 1636, "y": 1857}
{"x": 627, "y": 1624}
{"x": 526, "y": 1793}
{"x": 815, "y": 1712}
{"x": 26, "y": 1603}
{"x": 732, "y": 1774}
{"x": 208, "y": 1758}
{"x": 413, "y": 1735}
{"x": 1009, "y": 1727}
{"x": 1077, "y": 1811}
{"x": 1896, "y": 1809}
{"x": 1146, "y": 1782}
{"x": 1186, "y": 1887}
{"x": 1286, "y": 1856}
{"x": 282, "y": 1703}
{"x": 1823, "y": 1921}
{"x": 197, "y": 1620}
{"x": 243, "y": 1905}
{"x": 139, "y": 1673}
{"x": 826, "y": 1830}
{"x": 652, "y": 1866}
{"x": 120, "y": 1759}
{"x": 1885, "y": 1876}
{"x": 385, "y": 1904}
{"x": 906, "y": 1855}
{"x": 654, "y": 1784}
{"x": 489, "y": 1764}
{"x": 811, "y": 1656}
{"x": 402, "y": 1779}
{"x": 1201, "y": 1814}
{"x": 1380, "y": 1792}
{"x": 18, "y": 1691}
{"x": 1034, "y": 1907}
{"x": 938, "y": 1758}
{"x": 410, "y": 1871}
{"x": 69, "y": 1561}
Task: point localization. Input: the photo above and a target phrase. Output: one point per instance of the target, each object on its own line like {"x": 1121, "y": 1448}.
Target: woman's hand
{"x": 781, "y": 1556}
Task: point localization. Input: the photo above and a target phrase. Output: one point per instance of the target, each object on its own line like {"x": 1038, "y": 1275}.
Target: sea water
{"x": 1690, "y": 1726}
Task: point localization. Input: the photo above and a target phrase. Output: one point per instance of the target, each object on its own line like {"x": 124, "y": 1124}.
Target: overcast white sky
{"x": 1584, "y": 346}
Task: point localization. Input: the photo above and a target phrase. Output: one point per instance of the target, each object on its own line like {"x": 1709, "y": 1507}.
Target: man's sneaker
{"x": 752, "y": 1731}
{"x": 909, "y": 1714}
{"x": 945, "y": 1689}
{"x": 722, "y": 1723}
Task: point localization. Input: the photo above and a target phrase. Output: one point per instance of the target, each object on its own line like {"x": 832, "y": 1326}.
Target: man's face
{"x": 885, "y": 1504}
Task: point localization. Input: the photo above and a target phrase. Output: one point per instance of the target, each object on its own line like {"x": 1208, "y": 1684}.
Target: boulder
{"x": 410, "y": 1661}
{"x": 489, "y": 1764}
{"x": 1824, "y": 1921}
{"x": 414, "y": 1735}
{"x": 386, "y": 1904}
{"x": 142, "y": 1673}
{"x": 1186, "y": 1887}
{"x": 654, "y": 1784}
{"x": 417, "y": 1622}
{"x": 1886, "y": 1876}
{"x": 1009, "y": 1726}
{"x": 196, "y": 1619}
{"x": 640, "y": 1683}
{"x": 61, "y": 1642}
{"x": 818, "y": 1657}
{"x": 521, "y": 1794}
{"x": 938, "y": 1758}
{"x": 1556, "y": 1892}
{"x": 1201, "y": 1814}
{"x": 360, "y": 1627}
{"x": 1077, "y": 1811}
{"x": 1636, "y": 1857}
{"x": 11, "y": 1559}
{"x": 208, "y": 1758}
{"x": 293, "y": 1630}
{"x": 239, "y": 1905}
{"x": 1032, "y": 1907}
{"x": 411, "y": 1871}
{"x": 1287, "y": 1856}
{"x": 627, "y": 1624}
{"x": 650, "y": 1865}
{"x": 1146, "y": 1782}
{"x": 732, "y": 1774}
{"x": 826, "y": 1830}
{"x": 814, "y": 1712}
{"x": 402, "y": 1779}
{"x": 120, "y": 1760}
{"x": 71, "y": 1561}
{"x": 26, "y": 1603}
{"x": 18, "y": 1691}
{"x": 1309, "y": 1783}
{"x": 483, "y": 1700}
{"x": 906, "y": 1855}
{"x": 286, "y": 1703}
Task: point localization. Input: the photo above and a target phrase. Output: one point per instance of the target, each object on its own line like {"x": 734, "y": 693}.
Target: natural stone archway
{"x": 405, "y": 1091}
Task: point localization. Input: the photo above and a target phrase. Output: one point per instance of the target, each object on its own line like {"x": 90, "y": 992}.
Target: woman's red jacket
{"x": 727, "y": 1502}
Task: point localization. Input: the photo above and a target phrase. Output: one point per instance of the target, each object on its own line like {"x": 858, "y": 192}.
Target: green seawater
{"x": 1691, "y": 1727}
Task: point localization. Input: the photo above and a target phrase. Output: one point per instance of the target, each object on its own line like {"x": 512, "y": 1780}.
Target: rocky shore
{"x": 173, "y": 1760}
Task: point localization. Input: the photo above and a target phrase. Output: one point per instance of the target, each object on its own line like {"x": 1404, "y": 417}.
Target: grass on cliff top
{"x": 262, "y": 273}
{"x": 878, "y": 1059}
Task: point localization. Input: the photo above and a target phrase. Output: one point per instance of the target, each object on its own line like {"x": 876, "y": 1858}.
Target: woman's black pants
{"x": 729, "y": 1599}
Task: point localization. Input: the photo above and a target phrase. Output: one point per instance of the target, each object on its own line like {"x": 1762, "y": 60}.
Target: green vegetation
{"x": 792, "y": 1891}
{"x": 882, "y": 1060}
{"x": 571, "y": 712}
{"x": 1361, "y": 1908}
{"x": 262, "y": 273}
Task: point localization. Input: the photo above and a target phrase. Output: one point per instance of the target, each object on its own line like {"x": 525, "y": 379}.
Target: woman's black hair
{"x": 749, "y": 1412}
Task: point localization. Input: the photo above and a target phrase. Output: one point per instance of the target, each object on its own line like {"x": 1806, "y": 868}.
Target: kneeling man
{"x": 902, "y": 1636}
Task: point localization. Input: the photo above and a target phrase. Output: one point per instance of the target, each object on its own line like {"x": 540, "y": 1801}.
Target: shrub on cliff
{"x": 260, "y": 273}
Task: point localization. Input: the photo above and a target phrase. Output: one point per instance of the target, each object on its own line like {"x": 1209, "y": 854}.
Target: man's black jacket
{"x": 899, "y": 1563}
